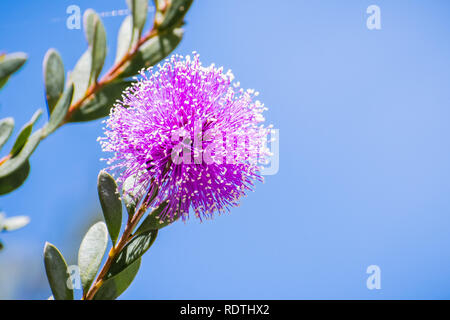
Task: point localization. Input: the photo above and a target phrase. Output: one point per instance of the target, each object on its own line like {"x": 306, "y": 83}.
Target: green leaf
{"x": 11, "y": 63}
{"x": 124, "y": 38}
{"x": 1, "y": 245}
{"x": 14, "y": 223}
{"x": 131, "y": 252}
{"x": 80, "y": 75}
{"x": 98, "y": 50}
{"x": 60, "y": 110}
{"x": 130, "y": 195}
{"x": 153, "y": 51}
{"x": 6, "y": 128}
{"x": 152, "y": 221}
{"x": 111, "y": 205}
{"x": 99, "y": 105}
{"x": 56, "y": 269}
{"x": 3, "y": 81}
{"x": 175, "y": 14}
{"x": 2, "y": 218}
{"x": 91, "y": 253}
{"x": 24, "y": 134}
{"x": 15, "y": 179}
{"x": 139, "y": 10}
{"x": 15, "y": 163}
{"x": 89, "y": 19}
{"x": 53, "y": 77}
{"x": 96, "y": 37}
{"x": 115, "y": 286}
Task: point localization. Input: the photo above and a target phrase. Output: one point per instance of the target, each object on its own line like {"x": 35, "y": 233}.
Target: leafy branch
{"x": 124, "y": 258}
{"x": 85, "y": 97}
{"x": 12, "y": 224}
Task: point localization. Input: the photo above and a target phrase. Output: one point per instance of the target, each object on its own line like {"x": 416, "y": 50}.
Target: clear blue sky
{"x": 364, "y": 154}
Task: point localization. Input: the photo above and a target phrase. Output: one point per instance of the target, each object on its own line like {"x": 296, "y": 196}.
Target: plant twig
{"x": 110, "y": 76}
{"x": 127, "y": 235}
{"x": 5, "y": 158}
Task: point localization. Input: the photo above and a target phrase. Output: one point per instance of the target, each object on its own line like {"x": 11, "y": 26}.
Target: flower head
{"x": 189, "y": 135}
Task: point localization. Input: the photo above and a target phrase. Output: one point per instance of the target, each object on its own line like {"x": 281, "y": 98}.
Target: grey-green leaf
{"x": 24, "y": 134}
{"x": 129, "y": 195}
{"x": 96, "y": 37}
{"x": 99, "y": 105}
{"x": 91, "y": 253}
{"x": 81, "y": 74}
{"x": 56, "y": 269}
{"x": 11, "y": 63}
{"x": 114, "y": 287}
{"x": 89, "y": 19}
{"x": 53, "y": 77}
{"x": 14, "y": 223}
{"x": 98, "y": 50}
{"x": 15, "y": 179}
{"x": 152, "y": 221}
{"x": 111, "y": 205}
{"x": 15, "y": 163}
{"x": 175, "y": 14}
{"x": 60, "y": 110}
{"x": 124, "y": 38}
{"x": 153, "y": 51}
{"x": 3, "y": 81}
{"x": 139, "y": 10}
{"x": 131, "y": 252}
{"x": 6, "y": 128}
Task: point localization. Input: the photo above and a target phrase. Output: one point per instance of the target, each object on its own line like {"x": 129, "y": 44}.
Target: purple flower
{"x": 189, "y": 133}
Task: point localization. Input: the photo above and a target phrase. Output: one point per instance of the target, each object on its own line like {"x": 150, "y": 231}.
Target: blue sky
{"x": 364, "y": 171}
